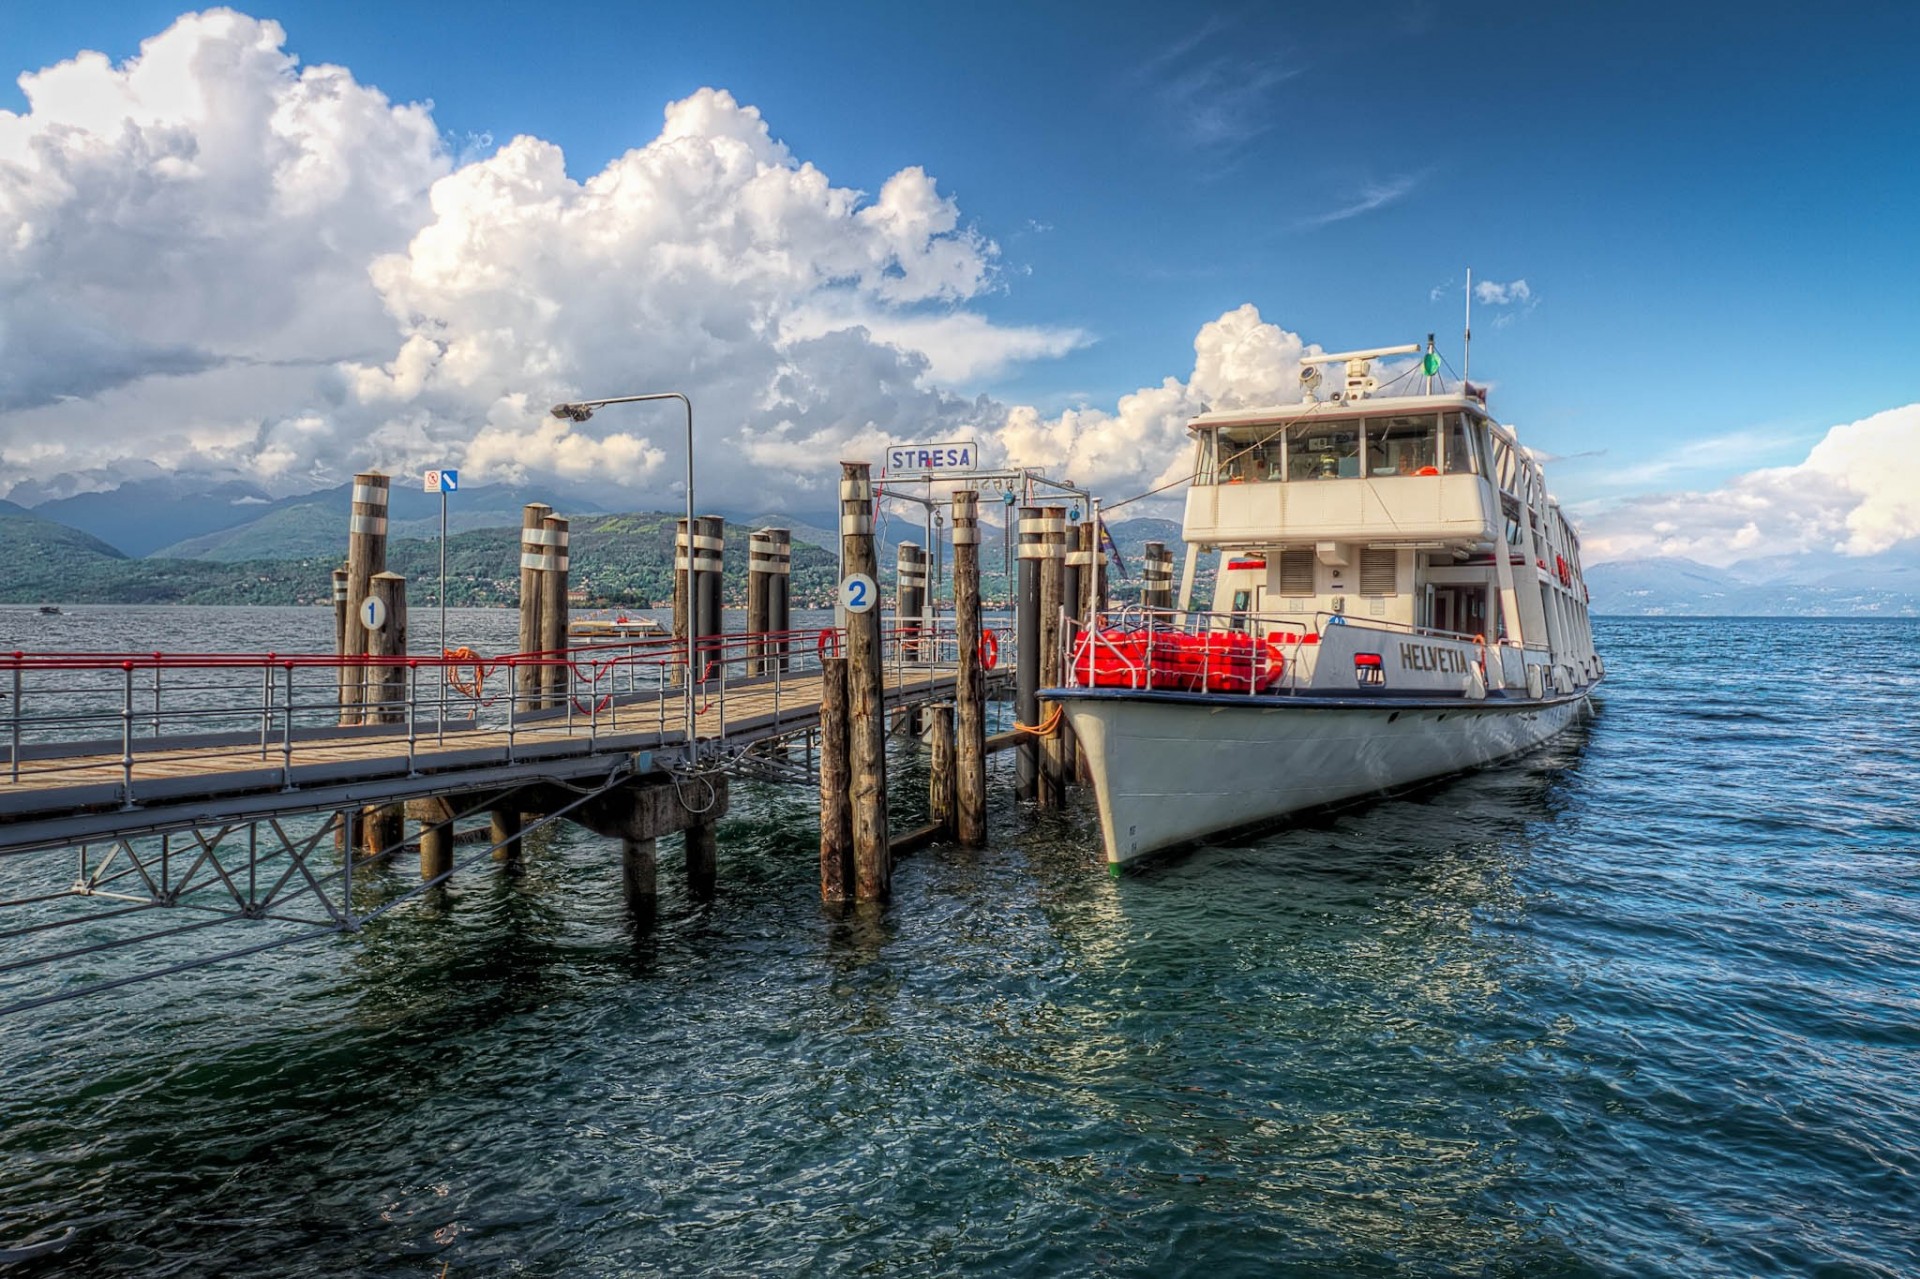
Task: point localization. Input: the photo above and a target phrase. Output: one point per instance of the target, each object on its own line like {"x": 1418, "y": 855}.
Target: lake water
{"x": 1646, "y": 1002}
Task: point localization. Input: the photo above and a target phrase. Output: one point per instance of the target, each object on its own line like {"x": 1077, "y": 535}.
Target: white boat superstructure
{"x": 1397, "y": 597}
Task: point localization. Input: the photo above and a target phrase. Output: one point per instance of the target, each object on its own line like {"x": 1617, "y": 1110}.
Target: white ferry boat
{"x": 1398, "y": 598}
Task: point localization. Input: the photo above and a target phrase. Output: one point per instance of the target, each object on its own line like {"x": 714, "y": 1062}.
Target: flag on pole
{"x": 1113, "y": 549}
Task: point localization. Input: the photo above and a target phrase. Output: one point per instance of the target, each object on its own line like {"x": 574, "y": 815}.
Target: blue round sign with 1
{"x": 858, "y": 593}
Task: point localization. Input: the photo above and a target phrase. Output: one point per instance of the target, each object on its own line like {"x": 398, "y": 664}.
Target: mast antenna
{"x": 1466, "y": 351}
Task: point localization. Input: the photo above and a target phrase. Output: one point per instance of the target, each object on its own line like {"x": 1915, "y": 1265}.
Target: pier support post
{"x": 1026, "y": 674}
{"x": 526, "y": 676}
{"x": 385, "y": 692}
{"x": 836, "y": 786}
{"x": 504, "y": 834}
{"x": 970, "y": 742}
{"x": 341, "y": 618}
{"x": 910, "y": 596}
{"x": 866, "y": 717}
{"x": 703, "y": 856}
{"x": 1156, "y": 577}
{"x": 759, "y": 599}
{"x": 366, "y": 556}
{"x": 383, "y": 829}
{"x": 436, "y": 840}
{"x": 709, "y": 560}
{"x": 779, "y": 570}
{"x": 640, "y": 878}
{"x": 1053, "y": 757}
{"x": 386, "y": 686}
{"x": 682, "y": 600}
{"x": 556, "y": 678}
{"x": 943, "y": 782}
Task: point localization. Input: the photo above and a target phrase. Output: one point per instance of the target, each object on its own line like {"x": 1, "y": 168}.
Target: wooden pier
{"x": 256, "y": 786}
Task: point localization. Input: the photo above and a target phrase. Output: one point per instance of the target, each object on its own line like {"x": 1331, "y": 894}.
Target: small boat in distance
{"x": 49, "y": 610}
{"x": 1398, "y": 598}
{"x": 614, "y": 628}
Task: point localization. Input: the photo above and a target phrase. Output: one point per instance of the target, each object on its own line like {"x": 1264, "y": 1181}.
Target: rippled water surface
{"x": 1642, "y": 1003}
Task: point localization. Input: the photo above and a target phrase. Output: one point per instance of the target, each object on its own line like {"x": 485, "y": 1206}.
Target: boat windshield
{"x": 1344, "y": 449}
{"x": 1324, "y": 451}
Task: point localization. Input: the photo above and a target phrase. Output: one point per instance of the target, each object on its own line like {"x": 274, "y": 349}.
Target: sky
{"x": 299, "y": 240}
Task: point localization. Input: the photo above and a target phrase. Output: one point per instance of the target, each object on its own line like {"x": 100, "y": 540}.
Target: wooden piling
{"x": 779, "y": 615}
{"x": 759, "y": 599}
{"x": 1156, "y": 577}
{"x": 1053, "y": 763}
{"x": 526, "y": 677}
{"x": 366, "y": 556}
{"x": 709, "y": 552}
{"x": 836, "y": 786}
{"x": 555, "y": 677}
{"x": 1073, "y": 569}
{"x": 943, "y": 781}
{"x": 866, "y": 715}
{"x": 1026, "y": 675}
{"x": 910, "y": 595}
{"x": 682, "y": 599}
{"x": 436, "y": 840}
{"x": 341, "y": 617}
{"x": 386, "y": 686}
{"x": 970, "y": 741}
{"x": 504, "y": 834}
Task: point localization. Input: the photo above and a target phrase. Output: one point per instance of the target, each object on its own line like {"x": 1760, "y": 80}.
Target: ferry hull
{"x": 1168, "y": 770}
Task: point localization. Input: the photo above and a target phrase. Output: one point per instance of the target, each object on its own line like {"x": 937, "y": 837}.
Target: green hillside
{"x": 618, "y": 560}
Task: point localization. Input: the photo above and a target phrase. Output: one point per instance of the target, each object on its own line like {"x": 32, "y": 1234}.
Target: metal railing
{"x": 1136, "y": 647}
{"x": 82, "y": 713}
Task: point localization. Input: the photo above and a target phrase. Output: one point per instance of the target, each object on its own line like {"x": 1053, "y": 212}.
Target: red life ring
{"x": 829, "y": 640}
{"x": 989, "y": 650}
{"x": 1560, "y": 565}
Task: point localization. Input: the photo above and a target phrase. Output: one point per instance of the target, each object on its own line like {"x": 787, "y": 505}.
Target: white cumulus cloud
{"x": 214, "y": 258}
{"x": 1857, "y": 492}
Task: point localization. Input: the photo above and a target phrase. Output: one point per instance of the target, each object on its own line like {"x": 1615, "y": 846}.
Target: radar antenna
{"x": 1359, "y": 364}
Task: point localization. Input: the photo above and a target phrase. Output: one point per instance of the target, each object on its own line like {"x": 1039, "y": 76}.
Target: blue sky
{"x": 1712, "y": 206}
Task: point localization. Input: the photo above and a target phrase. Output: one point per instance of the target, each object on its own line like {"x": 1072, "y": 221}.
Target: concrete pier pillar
{"x": 640, "y": 878}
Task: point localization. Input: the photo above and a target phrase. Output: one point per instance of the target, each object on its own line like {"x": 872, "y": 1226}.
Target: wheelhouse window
{"x": 1457, "y": 457}
{"x": 1249, "y": 455}
{"x": 1404, "y": 445}
{"x": 1324, "y": 451}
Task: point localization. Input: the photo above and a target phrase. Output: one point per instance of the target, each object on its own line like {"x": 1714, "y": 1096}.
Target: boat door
{"x": 1246, "y": 605}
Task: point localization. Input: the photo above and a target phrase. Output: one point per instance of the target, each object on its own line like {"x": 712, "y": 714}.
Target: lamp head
{"x": 572, "y": 412}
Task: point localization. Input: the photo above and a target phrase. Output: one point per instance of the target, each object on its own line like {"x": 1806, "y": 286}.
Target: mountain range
{"x": 178, "y": 539}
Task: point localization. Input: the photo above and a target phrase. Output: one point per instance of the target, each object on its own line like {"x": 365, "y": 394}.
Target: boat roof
{"x": 1276, "y": 414}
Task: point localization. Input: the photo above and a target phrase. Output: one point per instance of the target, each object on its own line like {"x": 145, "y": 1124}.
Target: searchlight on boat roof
{"x": 1359, "y": 384}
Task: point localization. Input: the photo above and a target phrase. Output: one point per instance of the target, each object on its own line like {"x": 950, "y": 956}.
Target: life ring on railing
{"x": 989, "y": 650}
{"x": 829, "y": 640}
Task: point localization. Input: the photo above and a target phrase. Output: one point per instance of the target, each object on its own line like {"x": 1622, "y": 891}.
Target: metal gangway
{"x": 224, "y": 786}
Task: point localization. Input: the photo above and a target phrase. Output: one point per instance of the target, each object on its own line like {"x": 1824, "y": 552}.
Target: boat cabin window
{"x": 1457, "y": 457}
{"x": 1324, "y": 451}
{"x": 1404, "y": 445}
{"x": 1243, "y": 455}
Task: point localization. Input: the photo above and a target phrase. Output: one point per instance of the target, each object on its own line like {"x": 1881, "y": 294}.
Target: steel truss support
{"x": 278, "y": 871}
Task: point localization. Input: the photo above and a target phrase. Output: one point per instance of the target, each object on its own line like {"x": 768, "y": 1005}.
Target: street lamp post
{"x": 580, "y": 411}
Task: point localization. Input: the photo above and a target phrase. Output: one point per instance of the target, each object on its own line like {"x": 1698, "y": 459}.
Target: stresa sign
{"x": 956, "y": 455}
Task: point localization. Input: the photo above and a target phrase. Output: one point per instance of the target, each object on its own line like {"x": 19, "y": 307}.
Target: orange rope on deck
{"x": 1047, "y": 727}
